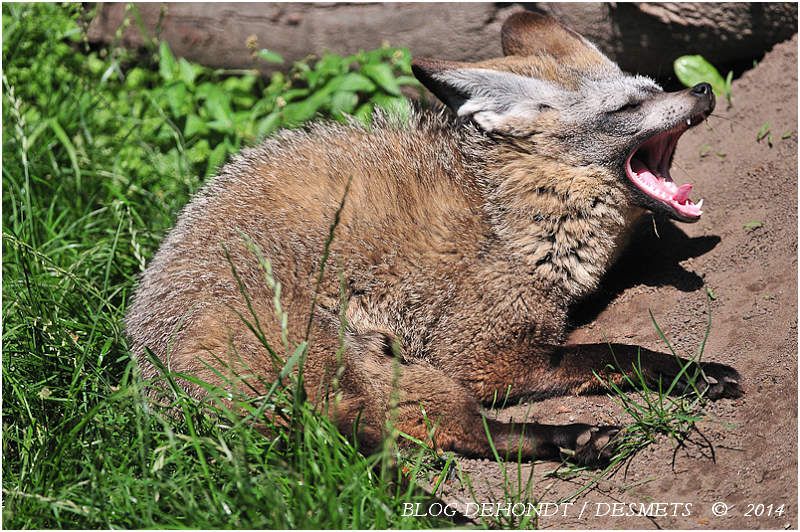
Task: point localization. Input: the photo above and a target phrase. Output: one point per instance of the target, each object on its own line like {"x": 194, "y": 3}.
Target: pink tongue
{"x": 682, "y": 194}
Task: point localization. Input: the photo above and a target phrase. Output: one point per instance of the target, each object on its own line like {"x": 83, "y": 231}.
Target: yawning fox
{"x": 463, "y": 236}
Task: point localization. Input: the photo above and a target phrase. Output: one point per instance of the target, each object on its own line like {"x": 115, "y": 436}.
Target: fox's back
{"x": 408, "y": 212}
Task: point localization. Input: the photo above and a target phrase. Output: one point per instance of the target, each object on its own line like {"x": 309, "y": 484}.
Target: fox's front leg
{"x": 522, "y": 371}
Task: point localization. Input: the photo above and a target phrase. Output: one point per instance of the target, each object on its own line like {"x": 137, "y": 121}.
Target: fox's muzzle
{"x": 705, "y": 97}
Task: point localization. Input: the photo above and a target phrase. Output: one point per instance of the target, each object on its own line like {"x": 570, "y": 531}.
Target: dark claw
{"x": 720, "y": 382}
{"x": 596, "y": 448}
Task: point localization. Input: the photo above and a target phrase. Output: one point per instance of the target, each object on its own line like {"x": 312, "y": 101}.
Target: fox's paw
{"x": 594, "y": 447}
{"x": 720, "y": 381}
{"x": 715, "y": 381}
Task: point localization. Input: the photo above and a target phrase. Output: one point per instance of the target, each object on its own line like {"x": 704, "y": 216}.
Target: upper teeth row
{"x": 688, "y": 121}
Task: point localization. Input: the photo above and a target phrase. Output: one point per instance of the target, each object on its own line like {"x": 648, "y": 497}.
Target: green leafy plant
{"x": 217, "y": 113}
{"x": 753, "y": 225}
{"x": 694, "y": 69}
{"x": 765, "y": 132}
{"x": 712, "y": 295}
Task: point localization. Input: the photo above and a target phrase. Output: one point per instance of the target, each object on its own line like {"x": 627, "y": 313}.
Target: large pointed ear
{"x": 526, "y": 33}
{"x": 495, "y": 100}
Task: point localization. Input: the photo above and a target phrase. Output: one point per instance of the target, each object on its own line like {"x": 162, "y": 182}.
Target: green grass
{"x": 101, "y": 148}
{"x": 655, "y": 410}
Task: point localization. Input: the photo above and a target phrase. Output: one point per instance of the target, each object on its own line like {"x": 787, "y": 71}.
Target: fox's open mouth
{"x": 648, "y": 168}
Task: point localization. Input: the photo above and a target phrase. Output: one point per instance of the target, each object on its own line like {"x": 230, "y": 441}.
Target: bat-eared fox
{"x": 463, "y": 237}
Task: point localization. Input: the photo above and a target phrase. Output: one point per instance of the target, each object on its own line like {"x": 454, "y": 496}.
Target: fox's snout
{"x": 705, "y": 97}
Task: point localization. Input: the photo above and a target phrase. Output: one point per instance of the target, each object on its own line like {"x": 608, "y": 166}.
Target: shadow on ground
{"x": 654, "y": 259}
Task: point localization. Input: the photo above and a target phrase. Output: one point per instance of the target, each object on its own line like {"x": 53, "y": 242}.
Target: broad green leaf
{"x": 135, "y": 78}
{"x": 188, "y": 72}
{"x": 343, "y": 102}
{"x": 296, "y": 113}
{"x": 199, "y": 152}
{"x": 408, "y": 80}
{"x": 694, "y": 69}
{"x": 364, "y": 113}
{"x": 216, "y": 158}
{"x": 382, "y": 74}
{"x": 95, "y": 64}
{"x": 268, "y": 124}
{"x": 331, "y": 65}
{"x": 753, "y": 225}
{"x": 294, "y": 94}
{"x": 222, "y": 126}
{"x": 355, "y": 82}
{"x": 277, "y": 83}
{"x": 763, "y": 132}
{"x": 243, "y": 84}
{"x": 243, "y": 101}
{"x": 240, "y": 119}
{"x": 178, "y": 99}
{"x": 194, "y": 125}
{"x": 393, "y": 105}
{"x": 269, "y": 56}
{"x": 166, "y": 62}
{"x": 204, "y": 89}
{"x": 218, "y": 105}
{"x": 312, "y": 78}
{"x": 261, "y": 107}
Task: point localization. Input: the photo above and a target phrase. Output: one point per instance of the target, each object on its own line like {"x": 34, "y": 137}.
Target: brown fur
{"x": 527, "y": 34}
{"x": 463, "y": 249}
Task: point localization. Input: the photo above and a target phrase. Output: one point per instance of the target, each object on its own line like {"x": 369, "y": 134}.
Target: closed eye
{"x": 632, "y": 106}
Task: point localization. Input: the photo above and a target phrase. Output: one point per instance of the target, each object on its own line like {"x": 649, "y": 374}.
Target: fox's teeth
{"x": 689, "y": 122}
{"x": 699, "y": 204}
{"x": 682, "y": 193}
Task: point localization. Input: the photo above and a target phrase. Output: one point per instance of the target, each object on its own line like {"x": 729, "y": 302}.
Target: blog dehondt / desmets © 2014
{"x": 464, "y": 236}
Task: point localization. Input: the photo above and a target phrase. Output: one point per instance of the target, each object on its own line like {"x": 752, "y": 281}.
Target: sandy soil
{"x": 752, "y": 271}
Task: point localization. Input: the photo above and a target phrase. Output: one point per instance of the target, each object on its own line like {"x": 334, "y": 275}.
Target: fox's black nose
{"x": 702, "y": 89}
{"x": 705, "y": 97}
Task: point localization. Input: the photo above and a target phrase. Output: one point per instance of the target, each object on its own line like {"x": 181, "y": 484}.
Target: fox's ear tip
{"x": 526, "y": 19}
{"x": 421, "y": 62}
{"x": 530, "y": 16}
{"x": 423, "y": 67}
{"x": 428, "y": 63}
{"x": 426, "y": 66}
{"x": 519, "y": 28}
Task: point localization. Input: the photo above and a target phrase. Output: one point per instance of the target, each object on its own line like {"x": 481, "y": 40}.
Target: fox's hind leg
{"x": 429, "y": 405}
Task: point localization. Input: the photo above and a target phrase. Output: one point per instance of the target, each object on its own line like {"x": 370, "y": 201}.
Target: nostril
{"x": 702, "y": 89}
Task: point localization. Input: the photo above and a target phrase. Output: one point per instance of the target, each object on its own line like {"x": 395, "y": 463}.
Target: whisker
{"x": 728, "y": 119}
{"x": 722, "y": 117}
{"x": 681, "y": 168}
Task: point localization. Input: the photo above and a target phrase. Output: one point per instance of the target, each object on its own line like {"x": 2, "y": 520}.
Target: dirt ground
{"x": 753, "y": 273}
